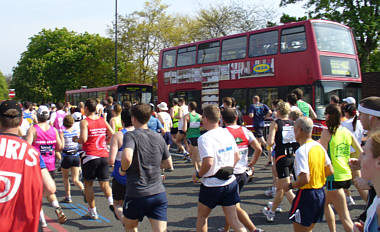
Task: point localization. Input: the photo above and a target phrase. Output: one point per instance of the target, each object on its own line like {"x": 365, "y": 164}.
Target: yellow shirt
{"x": 311, "y": 158}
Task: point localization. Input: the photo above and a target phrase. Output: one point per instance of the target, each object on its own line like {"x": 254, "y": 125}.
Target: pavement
{"x": 182, "y": 196}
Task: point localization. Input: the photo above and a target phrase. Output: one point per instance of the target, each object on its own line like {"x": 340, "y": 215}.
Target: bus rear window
{"x": 263, "y": 44}
{"x": 339, "y": 66}
{"x": 186, "y": 56}
{"x": 234, "y": 48}
{"x": 208, "y": 52}
{"x": 293, "y": 39}
{"x": 168, "y": 59}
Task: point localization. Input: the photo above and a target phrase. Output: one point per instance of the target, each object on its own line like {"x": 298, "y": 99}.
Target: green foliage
{"x": 59, "y": 60}
{"x": 3, "y": 87}
{"x": 363, "y": 16}
{"x": 374, "y": 61}
{"x": 285, "y": 18}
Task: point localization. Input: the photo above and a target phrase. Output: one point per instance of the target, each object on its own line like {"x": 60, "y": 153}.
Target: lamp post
{"x": 115, "y": 42}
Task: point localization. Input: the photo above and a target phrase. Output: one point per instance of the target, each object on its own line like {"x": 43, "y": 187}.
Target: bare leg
{"x": 203, "y": 213}
{"x": 75, "y": 178}
{"x": 66, "y": 182}
{"x": 232, "y": 218}
{"x": 89, "y": 191}
{"x": 158, "y": 226}
{"x": 130, "y": 225}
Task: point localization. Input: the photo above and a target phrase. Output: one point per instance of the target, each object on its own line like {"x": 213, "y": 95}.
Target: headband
{"x": 369, "y": 111}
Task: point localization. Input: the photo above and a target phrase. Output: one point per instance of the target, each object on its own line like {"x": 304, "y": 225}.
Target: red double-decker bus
{"x": 318, "y": 56}
{"x": 135, "y": 93}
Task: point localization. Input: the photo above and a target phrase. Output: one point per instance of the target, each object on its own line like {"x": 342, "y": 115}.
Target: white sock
{"x": 93, "y": 210}
{"x": 55, "y": 204}
{"x": 42, "y": 216}
{"x": 110, "y": 200}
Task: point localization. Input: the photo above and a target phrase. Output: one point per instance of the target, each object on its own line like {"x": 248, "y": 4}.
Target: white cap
{"x": 53, "y": 105}
{"x": 162, "y": 106}
{"x": 350, "y": 100}
{"x": 77, "y": 116}
{"x": 43, "y": 110}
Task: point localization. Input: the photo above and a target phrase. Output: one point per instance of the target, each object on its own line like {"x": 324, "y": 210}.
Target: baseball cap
{"x": 350, "y": 100}
{"x": 52, "y": 106}
{"x": 162, "y": 106}
{"x": 77, "y": 116}
{"x": 43, "y": 110}
{"x": 5, "y": 106}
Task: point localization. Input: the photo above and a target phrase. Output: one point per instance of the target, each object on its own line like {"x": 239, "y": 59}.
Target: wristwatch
{"x": 290, "y": 186}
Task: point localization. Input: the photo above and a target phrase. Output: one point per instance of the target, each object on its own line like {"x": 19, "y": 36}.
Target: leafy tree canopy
{"x": 59, "y": 60}
{"x": 3, "y": 87}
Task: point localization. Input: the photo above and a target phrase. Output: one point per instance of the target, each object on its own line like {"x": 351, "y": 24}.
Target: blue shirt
{"x": 259, "y": 110}
{"x": 154, "y": 124}
{"x": 42, "y": 163}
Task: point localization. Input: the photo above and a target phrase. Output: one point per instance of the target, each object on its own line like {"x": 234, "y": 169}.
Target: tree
{"x": 59, "y": 60}
{"x": 3, "y": 87}
{"x": 234, "y": 17}
{"x": 363, "y": 16}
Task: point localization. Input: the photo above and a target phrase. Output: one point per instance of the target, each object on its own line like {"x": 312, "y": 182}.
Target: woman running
{"x": 191, "y": 126}
{"x": 337, "y": 140}
{"x": 70, "y": 157}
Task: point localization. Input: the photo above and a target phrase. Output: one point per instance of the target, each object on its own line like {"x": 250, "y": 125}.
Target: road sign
{"x": 12, "y": 93}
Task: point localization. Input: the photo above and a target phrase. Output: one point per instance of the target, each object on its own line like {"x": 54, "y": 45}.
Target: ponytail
{"x": 354, "y": 122}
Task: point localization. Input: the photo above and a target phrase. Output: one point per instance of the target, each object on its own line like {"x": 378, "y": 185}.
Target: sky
{"x": 22, "y": 19}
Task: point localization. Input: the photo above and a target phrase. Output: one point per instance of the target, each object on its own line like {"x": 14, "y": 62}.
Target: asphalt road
{"x": 182, "y": 210}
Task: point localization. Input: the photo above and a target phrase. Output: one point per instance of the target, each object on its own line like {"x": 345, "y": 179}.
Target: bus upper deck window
{"x": 168, "y": 59}
{"x": 293, "y": 39}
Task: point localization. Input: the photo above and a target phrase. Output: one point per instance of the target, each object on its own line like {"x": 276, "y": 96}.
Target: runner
{"x": 370, "y": 168}
{"x": 115, "y": 121}
{"x": 191, "y": 126}
{"x": 258, "y": 112}
{"x": 70, "y": 157}
{"x": 145, "y": 193}
{"x": 45, "y": 139}
{"x": 312, "y": 165}
{"x": 305, "y": 107}
{"x": 93, "y": 131}
{"x": 116, "y": 148}
{"x": 337, "y": 141}
{"x": 243, "y": 138}
{"x": 174, "y": 114}
{"x": 219, "y": 154}
{"x": 180, "y": 138}
{"x": 21, "y": 204}
{"x": 281, "y": 133}
{"x": 166, "y": 121}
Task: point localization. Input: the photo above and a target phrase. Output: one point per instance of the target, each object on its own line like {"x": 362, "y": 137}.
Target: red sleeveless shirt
{"x": 96, "y": 138}
{"x": 20, "y": 185}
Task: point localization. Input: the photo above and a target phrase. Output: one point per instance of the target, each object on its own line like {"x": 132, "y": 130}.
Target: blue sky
{"x": 21, "y": 19}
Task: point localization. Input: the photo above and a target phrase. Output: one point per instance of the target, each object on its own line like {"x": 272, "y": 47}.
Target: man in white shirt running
{"x": 219, "y": 154}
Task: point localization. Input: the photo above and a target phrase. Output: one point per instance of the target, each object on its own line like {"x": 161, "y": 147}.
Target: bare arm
{"x": 83, "y": 132}
{"x": 31, "y": 135}
{"x": 116, "y": 143}
{"x": 109, "y": 128}
{"x": 302, "y": 179}
{"x": 312, "y": 113}
{"x": 206, "y": 165}
{"x": 167, "y": 164}
{"x": 113, "y": 124}
{"x": 325, "y": 138}
{"x": 358, "y": 149}
{"x": 62, "y": 139}
{"x": 185, "y": 120}
{"x": 58, "y": 145}
{"x": 126, "y": 159}
{"x": 272, "y": 133}
{"x": 258, "y": 150}
{"x": 47, "y": 182}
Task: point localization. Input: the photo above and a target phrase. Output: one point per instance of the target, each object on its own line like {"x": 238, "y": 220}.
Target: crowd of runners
{"x": 84, "y": 141}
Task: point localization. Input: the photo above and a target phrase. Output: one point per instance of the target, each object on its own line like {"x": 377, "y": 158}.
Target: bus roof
{"x": 113, "y": 87}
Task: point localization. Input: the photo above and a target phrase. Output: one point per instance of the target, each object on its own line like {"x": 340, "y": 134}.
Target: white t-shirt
{"x": 25, "y": 125}
{"x": 301, "y": 163}
{"x": 221, "y": 146}
{"x": 358, "y": 133}
{"x": 295, "y": 108}
{"x": 242, "y": 165}
{"x": 185, "y": 110}
{"x": 372, "y": 216}
{"x": 167, "y": 120}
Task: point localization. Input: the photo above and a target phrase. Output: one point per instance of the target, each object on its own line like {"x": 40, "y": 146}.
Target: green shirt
{"x": 304, "y": 107}
{"x": 339, "y": 153}
{"x": 193, "y": 130}
{"x": 175, "y": 120}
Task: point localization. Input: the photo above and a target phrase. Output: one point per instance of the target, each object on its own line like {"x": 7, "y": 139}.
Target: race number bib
{"x": 195, "y": 124}
{"x": 288, "y": 135}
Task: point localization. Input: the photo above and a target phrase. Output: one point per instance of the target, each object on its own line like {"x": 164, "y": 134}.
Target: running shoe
{"x": 258, "y": 230}
{"x": 267, "y": 165}
{"x": 269, "y": 205}
{"x": 269, "y": 214}
{"x": 67, "y": 200}
{"x": 350, "y": 201}
{"x": 43, "y": 224}
{"x": 221, "y": 229}
{"x": 92, "y": 215}
{"x": 60, "y": 215}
